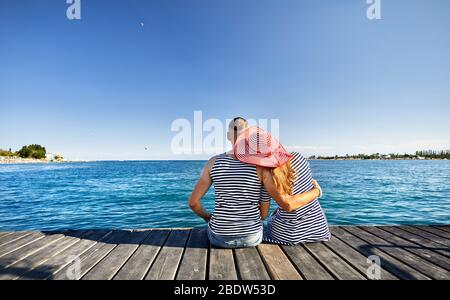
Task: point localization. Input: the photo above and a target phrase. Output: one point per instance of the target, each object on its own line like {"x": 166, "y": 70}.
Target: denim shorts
{"x": 241, "y": 241}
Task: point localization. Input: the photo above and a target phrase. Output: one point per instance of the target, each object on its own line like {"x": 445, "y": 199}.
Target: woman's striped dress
{"x": 306, "y": 224}
{"x": 238, "y": 192}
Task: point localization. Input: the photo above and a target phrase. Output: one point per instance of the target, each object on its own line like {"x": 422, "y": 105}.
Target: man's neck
{"x": 230, "y": 153}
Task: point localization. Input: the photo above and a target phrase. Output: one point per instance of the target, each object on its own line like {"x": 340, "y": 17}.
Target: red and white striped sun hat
{"x": 257, "y": 147}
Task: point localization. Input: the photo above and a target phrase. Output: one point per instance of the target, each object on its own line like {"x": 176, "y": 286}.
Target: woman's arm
{"x": 287, "y": 202}
{"x": 202, "y": 186}
{"x": 264, "y": 208}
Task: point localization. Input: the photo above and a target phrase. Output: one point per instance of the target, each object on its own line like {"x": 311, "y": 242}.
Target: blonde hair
{"x": 284, "y": 178}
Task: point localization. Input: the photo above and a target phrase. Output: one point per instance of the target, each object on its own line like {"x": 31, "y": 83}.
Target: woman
{"x": 290, "y": 174}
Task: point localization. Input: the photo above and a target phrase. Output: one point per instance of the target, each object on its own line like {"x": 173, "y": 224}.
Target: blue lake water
{"x": 145, "y": 194}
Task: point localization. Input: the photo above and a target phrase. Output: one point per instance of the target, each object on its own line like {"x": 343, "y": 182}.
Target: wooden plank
{"x": 307, "y": 265}
{"x": 110, "y": 265}
{"x": 21, "y": 242}
{"x": 87, "y": 250}
{"x": 408, "y": 258}
{"x": 139, "y": 263}
{"x": 249, "y": 264}
{"x": 333, "y": 263}
{"x": 427, "y": 235}
{"x": 424, "y": 253}
{"x": 414, "y": 261}
{"x": 13, "y": 236}
{"x": 5, "y": 233}
{"x": 32, "y": 261}
{"x": 193, "y": 264}
{"x": 355, "y": 258}
{"x": 388, "y": 262}
{"x": 93, "y": 258}
{"x": 19, "y": 268}
{"x": 57, "y": 266}
{"x": 436, "y": 231}
{"x": 221, "y": 264}
{"x": 21, "y": 253}
{"x": 277, "y": 263}
{"x": 442, "y": 227}
{"x": 166, "y": 263}
{"x": 406, "y": 252}
{"x": 419, "y": 240}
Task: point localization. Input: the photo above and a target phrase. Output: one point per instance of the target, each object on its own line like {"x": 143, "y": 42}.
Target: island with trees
{"x": 37, "y": 153}
{"x": 29, "y": 154}
{"x": 419, "y": 155}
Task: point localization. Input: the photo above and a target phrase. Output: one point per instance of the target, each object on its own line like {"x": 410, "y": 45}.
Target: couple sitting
{"x": 245, "y": 180}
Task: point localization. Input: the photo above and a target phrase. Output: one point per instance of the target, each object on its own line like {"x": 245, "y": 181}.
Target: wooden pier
{"x": 405, "y": 252}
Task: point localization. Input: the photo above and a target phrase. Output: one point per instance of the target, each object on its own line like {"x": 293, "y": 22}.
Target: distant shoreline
{"x": 377, "y": 159}
{"x": 6, "y": 161}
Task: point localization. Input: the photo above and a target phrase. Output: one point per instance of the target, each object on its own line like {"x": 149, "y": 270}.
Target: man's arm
{"x": 264, "y": 202}
{"x": 202, "y": 186}
{"x": 287, "y": 202}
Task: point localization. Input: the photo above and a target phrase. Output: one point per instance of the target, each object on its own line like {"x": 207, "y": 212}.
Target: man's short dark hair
{"x": 239, "y": 124}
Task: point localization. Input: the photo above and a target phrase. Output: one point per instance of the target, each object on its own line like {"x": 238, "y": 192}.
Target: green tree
{"x": 34, "y": 151}
{"x": 24, "y": 152}
{"x": 6, "y": 152}
{"x": 58, "y": 157}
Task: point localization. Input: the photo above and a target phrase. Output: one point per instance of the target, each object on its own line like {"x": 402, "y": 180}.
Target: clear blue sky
{"x": 107, "y": 86}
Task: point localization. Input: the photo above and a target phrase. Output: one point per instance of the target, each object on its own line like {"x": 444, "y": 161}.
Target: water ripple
{"x": 154, "y": 194}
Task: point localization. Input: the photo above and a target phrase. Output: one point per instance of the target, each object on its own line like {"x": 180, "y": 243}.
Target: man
{"x": 240, "y": 190}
